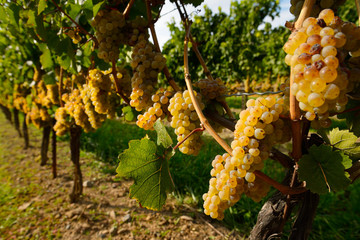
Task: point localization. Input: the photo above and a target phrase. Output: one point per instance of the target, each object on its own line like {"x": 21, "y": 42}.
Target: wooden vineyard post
{"x": 45, "y": 144}
{"x": 53, "y": 144}
{"x": 7, "y": 113}
{"x": 25, "y": 133}
{"x": 75, "y": 133}
{"x": 16, "y": 121}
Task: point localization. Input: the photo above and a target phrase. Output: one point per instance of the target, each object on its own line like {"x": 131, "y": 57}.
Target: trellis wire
{"x": 253, "y": 93}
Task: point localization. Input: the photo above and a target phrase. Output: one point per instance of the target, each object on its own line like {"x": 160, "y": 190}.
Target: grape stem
{"x": 116, "y": 80}
{"x": 200, "y": 58}
{"x": 286, "y": 190}
{"x": 127, "y": 9}
{"x": 191, "y": 133}
{"x": 61, "y": 87}
{"x": 198, "y": 110}
{"x": 347, "y": 110}
{"x": 166, "y": 72}
{"x": 357, "y": 3}
{"x": 283, "y": 159}
{"x": 216, "y": 117}
{"x": 77, "y": 25}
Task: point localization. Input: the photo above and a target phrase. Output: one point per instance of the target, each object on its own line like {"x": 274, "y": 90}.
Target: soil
{"x": 38, "y": 207}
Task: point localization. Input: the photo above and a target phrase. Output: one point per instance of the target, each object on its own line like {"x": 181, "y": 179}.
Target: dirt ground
{"x": 36, "y": 206}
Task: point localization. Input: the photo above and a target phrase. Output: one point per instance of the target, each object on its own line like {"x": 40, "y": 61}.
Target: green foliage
{"x": 232, "y": 45}
{"x": 163, "y": 138}
{"x": 147, "y": 164}
{"x": 324, "y": 169}
{"x": 345, "y": 141}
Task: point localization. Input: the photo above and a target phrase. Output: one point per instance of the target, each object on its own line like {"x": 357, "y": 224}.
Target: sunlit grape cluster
{"x": 296, "y": 6}
{"x": 76, "y": 109}
{"x": 100, "y": 87}
{"x": 212, "y": 88}
{"x": 111, "y": 30}
{"x": 157, "y": 110}
{"x": 21, "y": 104}
{"x": 257, "y": 130}
{"x": 146, "y": 63}
{"x": 184, "y": 120}
{"x": 108, "y": 27}
{"x": 52, "y": 93}
{"x": 315, "y": 52}
{"x": 34, "y": 116}
{"x": 62, "y": 125}
{"x": 96, "y": 119}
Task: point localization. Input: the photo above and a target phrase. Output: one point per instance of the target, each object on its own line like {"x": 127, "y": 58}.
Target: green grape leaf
{"x": 13, "y": 13}
{"x": 345, "y": 141}
{"x": 45, "y": 59}
{"x": 64, "y": 61}
{"x": 49, "y": 78}
{"x": 87, "y": 49}
{"x": 31, "y": 22}
{"x": 147, "y": 165}
{"x": 41, "y": 6}
{"x": 97, "y": 7}
{"x": 346, "y": 161}
{"x": 323, "y": 170}
{"x": 73, "y": 10}
{"x": 163, "y": 138}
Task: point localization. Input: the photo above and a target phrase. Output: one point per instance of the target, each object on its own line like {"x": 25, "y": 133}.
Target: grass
{"x": 338, "y": 213}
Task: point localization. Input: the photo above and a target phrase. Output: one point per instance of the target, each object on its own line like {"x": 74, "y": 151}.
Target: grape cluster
{"x": 108, "y": 31}
{"x": 52, "y": 93}
{"x": 258, "y": 128}
{"x": 62, "y": 125}
{"x": 212, "y": 88}
{"x": 146, "y": 63}
{"x": 21, "y": 104}
{"x": 296, "y": 6}
{"x": 184, "y": 120}
{"x": 100, "y": 90}
{"x": 96, "y": 119}
{"x": 76, "y": 109}
{"x": 111, "y": 30}
{"x": 157, "y": 110}
{"x": 314, "y": 53}
{"x": 75, "y": 36}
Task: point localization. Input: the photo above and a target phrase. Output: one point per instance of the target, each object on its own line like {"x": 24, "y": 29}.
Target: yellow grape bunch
{"x": 184, "y": 120}
{"x": 315, "y": 53}
{"x": 62, "y": 124}
{"x": 76, "y": 109}
{"x": 257, "y": 130}
{"x": 147, "y": 63}
{"x": 212, "y": 89}
{"x": 112, "y": 30}
{"x": 157, "y": 110}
